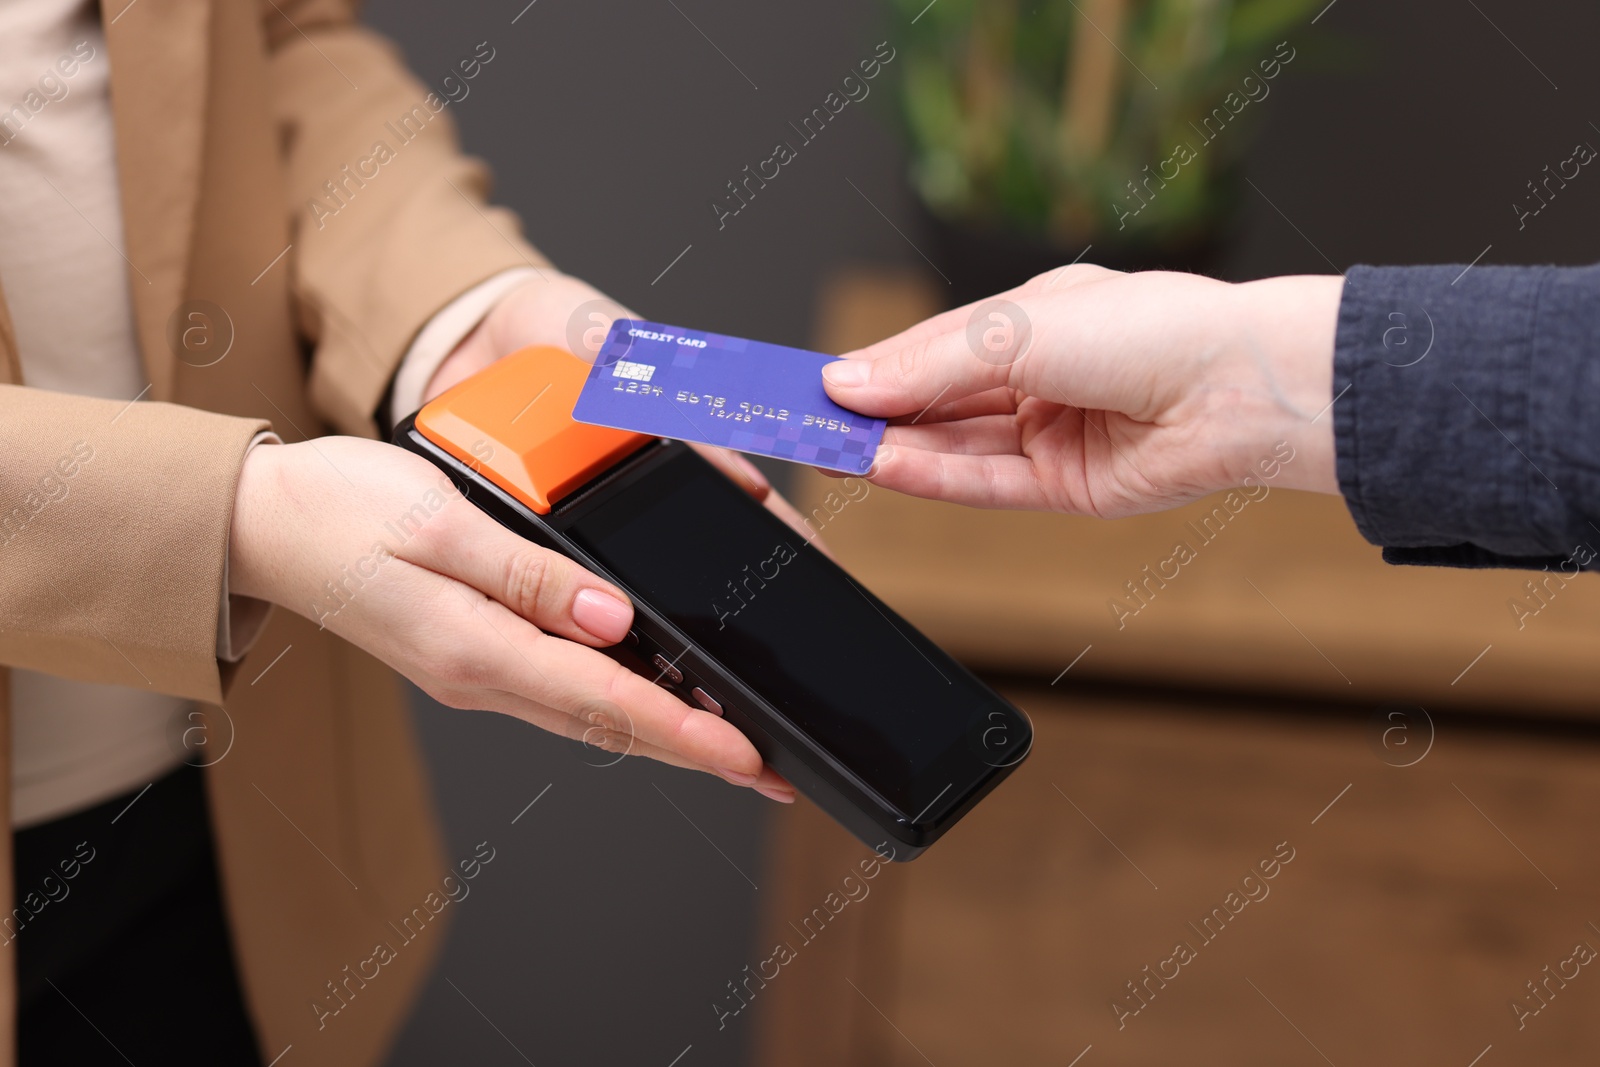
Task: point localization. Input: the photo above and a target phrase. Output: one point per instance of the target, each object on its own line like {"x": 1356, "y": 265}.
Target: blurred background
{"x": 1430, "y": 765}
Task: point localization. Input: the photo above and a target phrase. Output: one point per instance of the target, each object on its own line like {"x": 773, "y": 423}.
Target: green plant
{"x": 1085, "y": 118}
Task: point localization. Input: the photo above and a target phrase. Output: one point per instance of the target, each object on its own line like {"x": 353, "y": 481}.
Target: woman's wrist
{"x": 249, "y": 566}
{"x": 1281, "y": 361}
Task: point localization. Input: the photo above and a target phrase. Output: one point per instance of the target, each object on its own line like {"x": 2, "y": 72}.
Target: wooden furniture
{"x": 1275, "y": 691}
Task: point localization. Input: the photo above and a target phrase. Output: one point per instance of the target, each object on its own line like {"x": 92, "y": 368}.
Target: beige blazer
{"x": 230, "y": 116}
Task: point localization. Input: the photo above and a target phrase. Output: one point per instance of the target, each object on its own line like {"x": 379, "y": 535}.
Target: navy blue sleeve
{"x": 1465, "y": 413}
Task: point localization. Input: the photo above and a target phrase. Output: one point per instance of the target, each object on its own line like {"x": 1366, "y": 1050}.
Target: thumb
{"x": 545, "y": 588}
{"x": 907, "y": 373}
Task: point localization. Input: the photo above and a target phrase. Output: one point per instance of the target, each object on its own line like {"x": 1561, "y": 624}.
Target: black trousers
{"x": 128, "y": 958}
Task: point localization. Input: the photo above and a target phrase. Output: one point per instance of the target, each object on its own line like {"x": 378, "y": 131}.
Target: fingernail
{"x": 737, "y": 777}
{"x": 601, "y": 614}
{"x": 779, "y": 795}
{"x": 846, "y": 373}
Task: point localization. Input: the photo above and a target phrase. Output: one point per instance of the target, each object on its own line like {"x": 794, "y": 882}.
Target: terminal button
{"x": 668, "y": 671}
{"x": 511, "y": 424}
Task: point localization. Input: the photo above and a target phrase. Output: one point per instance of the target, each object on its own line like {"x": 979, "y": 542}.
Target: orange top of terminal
{"x": 512, "y": 422}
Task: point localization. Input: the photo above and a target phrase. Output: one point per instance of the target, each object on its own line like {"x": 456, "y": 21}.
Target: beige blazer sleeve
{"x": 390, "y": 221}
{"x": 114, "y": 524}
{"x": 114, "y": 519}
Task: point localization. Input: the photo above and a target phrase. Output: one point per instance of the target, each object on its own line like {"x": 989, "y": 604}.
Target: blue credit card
{"x": 746, "y": 395}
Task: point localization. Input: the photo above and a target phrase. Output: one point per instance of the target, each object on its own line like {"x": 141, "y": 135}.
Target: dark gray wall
{"x": 1422, "y": 126}
{"x": 609, "y": 920}
{"x": 612, "y": 126}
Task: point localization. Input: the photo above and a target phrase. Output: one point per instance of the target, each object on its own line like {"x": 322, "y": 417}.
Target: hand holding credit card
{"x": 749, "y": 396}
